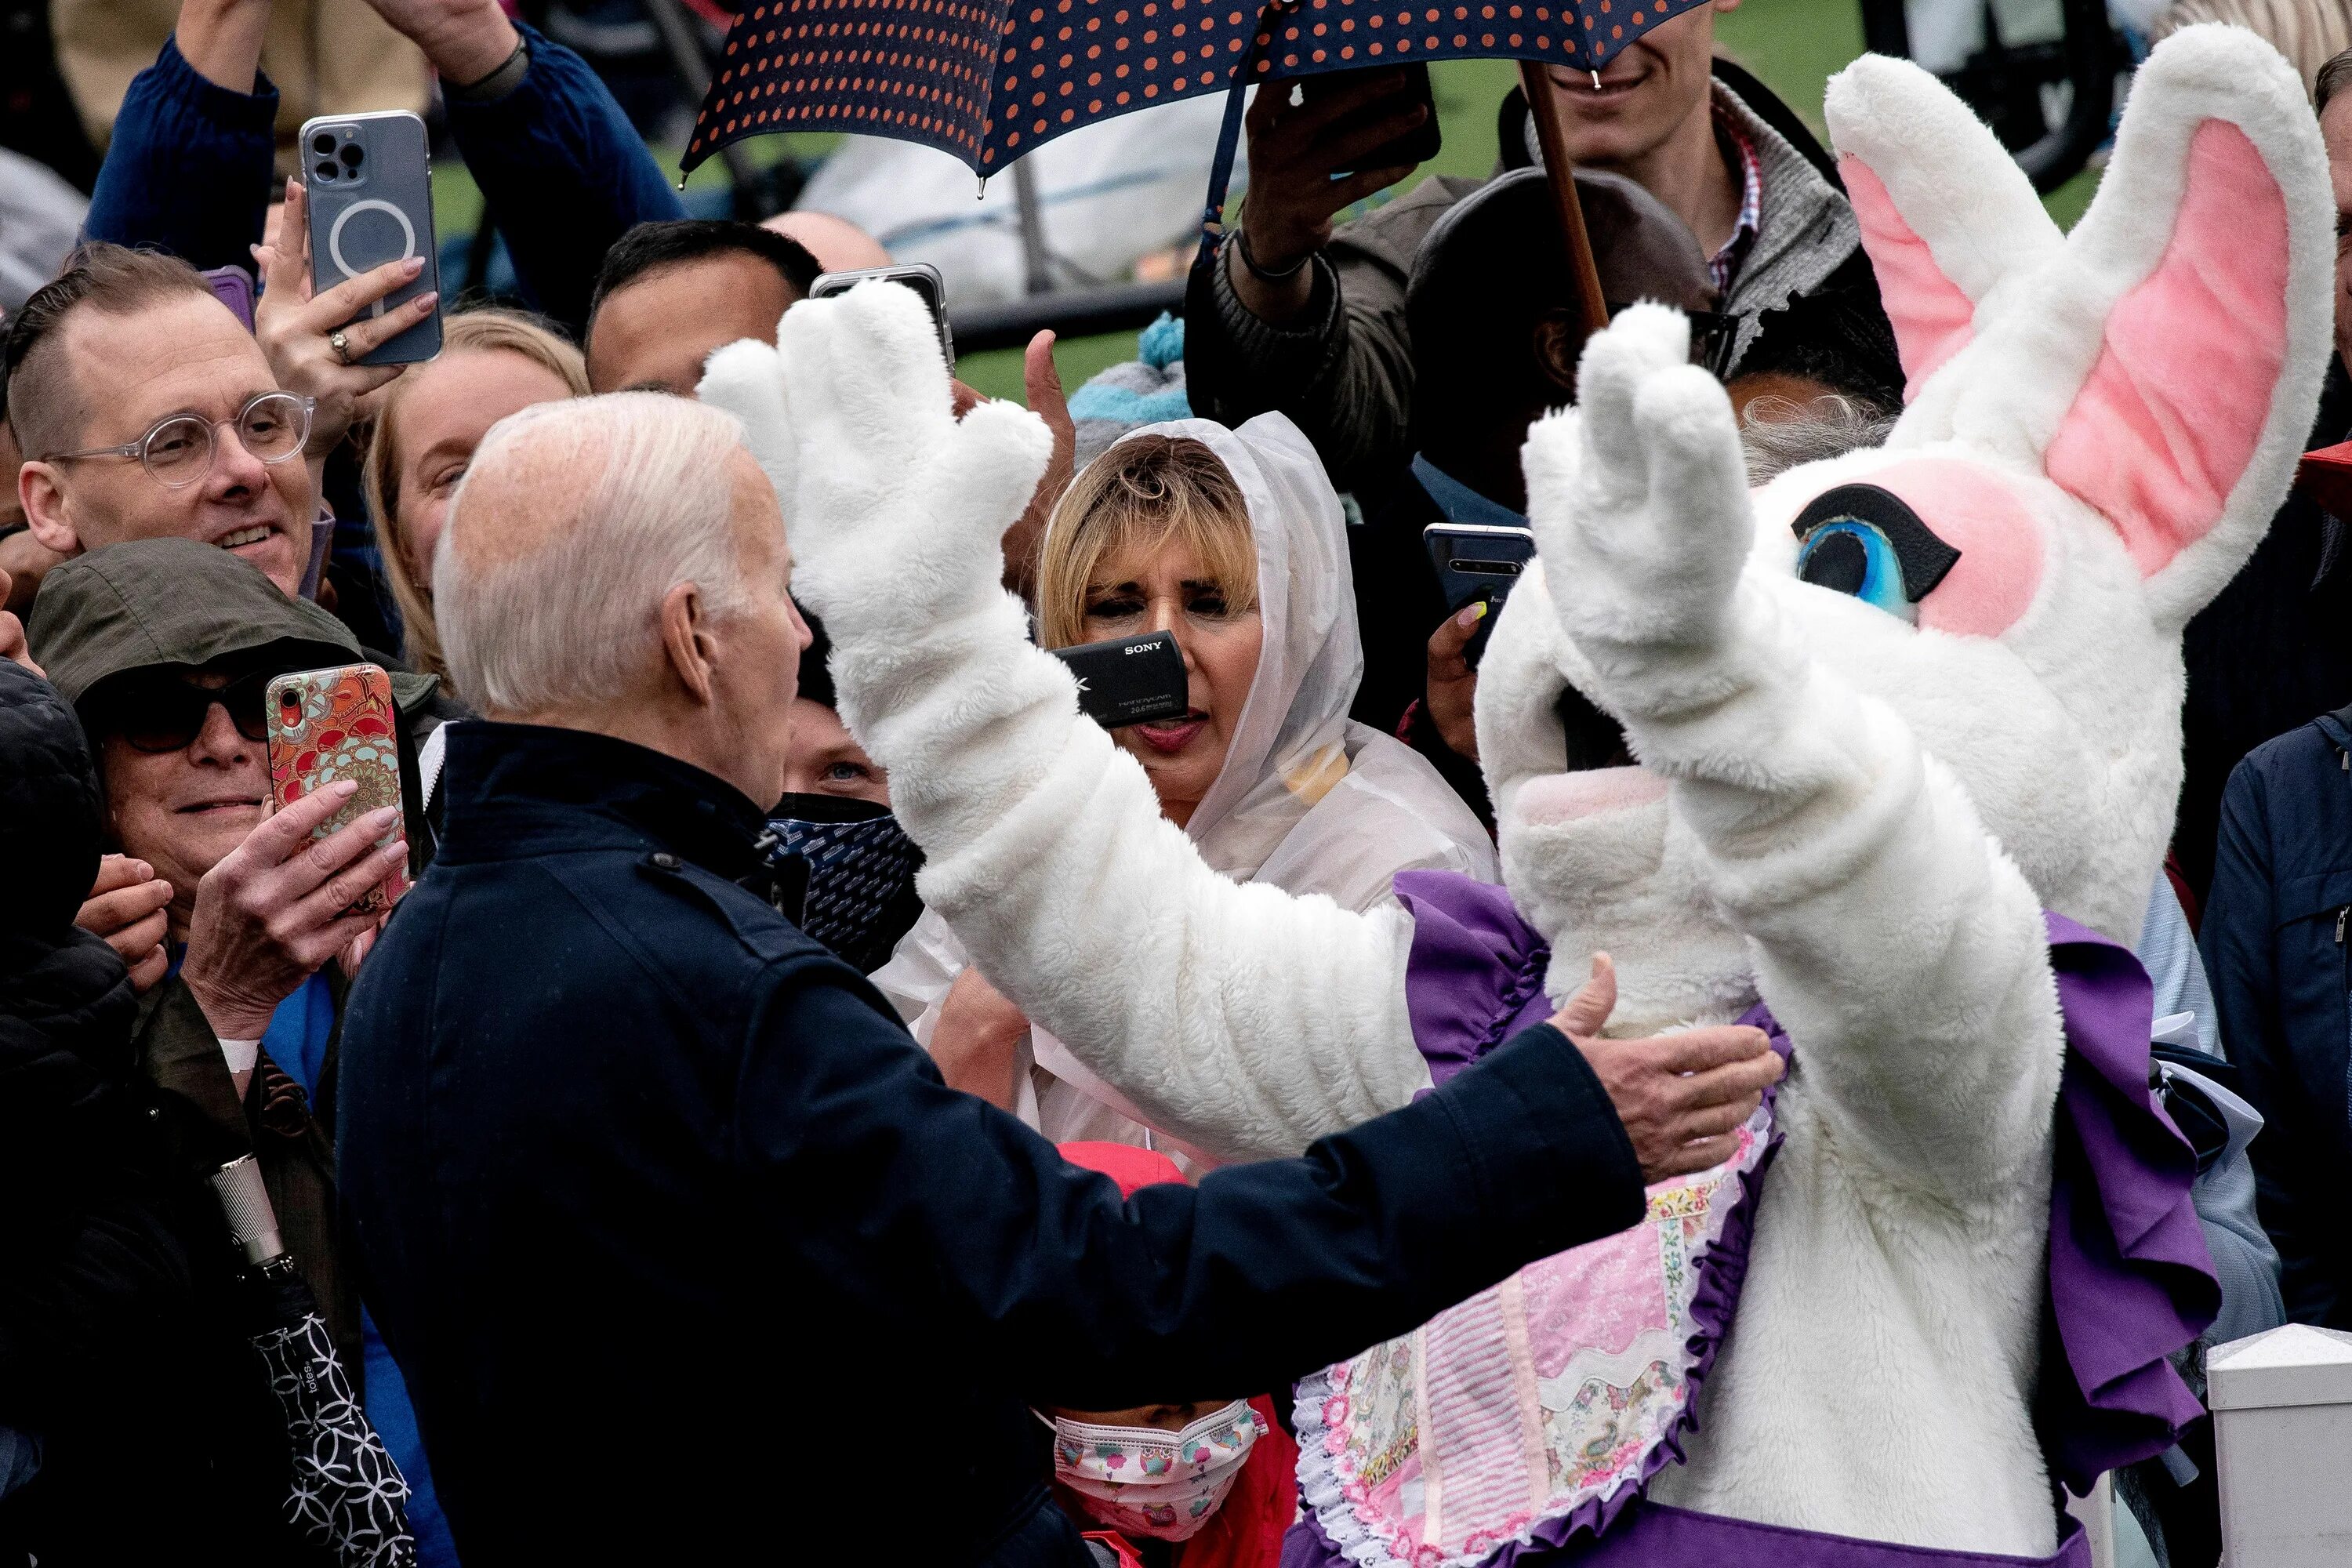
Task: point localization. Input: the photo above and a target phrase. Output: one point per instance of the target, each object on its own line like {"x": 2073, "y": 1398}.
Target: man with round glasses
{"x": 145, "y": 410}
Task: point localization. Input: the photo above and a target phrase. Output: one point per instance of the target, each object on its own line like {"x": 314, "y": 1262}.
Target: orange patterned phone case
{"x": 332, "y": 724}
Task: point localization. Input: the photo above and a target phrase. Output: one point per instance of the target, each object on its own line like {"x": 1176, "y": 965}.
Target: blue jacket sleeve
{"x": 189, "y": 169}
{"x": 562, "y": 173}
{"x": 1259, "y": 1274}
{"x": 2238, "y": 942}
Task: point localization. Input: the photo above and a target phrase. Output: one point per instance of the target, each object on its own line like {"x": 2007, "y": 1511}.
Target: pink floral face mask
{"x": 1143, "y": 1481}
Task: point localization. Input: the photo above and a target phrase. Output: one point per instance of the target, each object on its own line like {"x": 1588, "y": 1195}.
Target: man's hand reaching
{"x": 1680, "y": 1097}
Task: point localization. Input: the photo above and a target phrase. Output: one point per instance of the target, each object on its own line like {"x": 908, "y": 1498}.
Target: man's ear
{"x": 1558, "y": 342}
{"x": 46, "y": 512}
{"x": 685, "y": 639}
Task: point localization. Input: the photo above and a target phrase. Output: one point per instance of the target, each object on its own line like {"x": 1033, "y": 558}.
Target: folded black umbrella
{"x": 345, "y": 1493}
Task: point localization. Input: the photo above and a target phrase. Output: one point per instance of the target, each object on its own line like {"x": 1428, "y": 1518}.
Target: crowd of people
{"x": 683, "y": 1133}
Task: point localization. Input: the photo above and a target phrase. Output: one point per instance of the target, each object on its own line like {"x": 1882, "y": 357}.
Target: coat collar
{"x": 520, "y": 790}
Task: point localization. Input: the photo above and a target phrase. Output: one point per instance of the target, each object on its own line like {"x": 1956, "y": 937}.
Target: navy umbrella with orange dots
{"x": 989, "y": 80}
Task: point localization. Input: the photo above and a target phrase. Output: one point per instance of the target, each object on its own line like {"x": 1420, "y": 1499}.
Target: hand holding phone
{"x": 368, "y": 200}
{"x": 339, "y": 726}
{"x": 1477, "y": 563}
{"x": 297, "y": 329}
{"x": 1347, "y": 134}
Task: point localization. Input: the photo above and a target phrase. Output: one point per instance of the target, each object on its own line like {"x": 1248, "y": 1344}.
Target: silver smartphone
{"x": 368, "y": 179}
{"x": 921, "y": 277}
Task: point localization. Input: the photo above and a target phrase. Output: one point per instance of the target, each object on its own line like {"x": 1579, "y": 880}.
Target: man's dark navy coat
{"x": 2275, "y": 945}
{"x": 690, "y": 1256}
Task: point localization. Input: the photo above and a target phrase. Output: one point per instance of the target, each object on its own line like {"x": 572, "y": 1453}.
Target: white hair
{"x": 1778, "y": 434}
{"x": 554, "y": 612}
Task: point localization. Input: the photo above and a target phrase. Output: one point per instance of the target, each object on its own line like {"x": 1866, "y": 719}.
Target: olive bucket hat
{"x": 177, "y": 603}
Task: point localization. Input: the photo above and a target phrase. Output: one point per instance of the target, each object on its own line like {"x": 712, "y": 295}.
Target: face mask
{"x": 1141, "y": 1480}
{"x": 861, "y": 864}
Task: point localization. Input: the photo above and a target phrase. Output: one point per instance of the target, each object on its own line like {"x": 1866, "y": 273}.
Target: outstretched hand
{"x": 850, "y": 415}
{"x": 1683, "y": 1098}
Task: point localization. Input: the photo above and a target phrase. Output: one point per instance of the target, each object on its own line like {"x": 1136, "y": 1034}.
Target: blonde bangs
{"x": 1144, "y": 495}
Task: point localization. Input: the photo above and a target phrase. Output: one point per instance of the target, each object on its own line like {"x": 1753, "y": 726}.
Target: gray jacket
{"x": 1803, "y": 301}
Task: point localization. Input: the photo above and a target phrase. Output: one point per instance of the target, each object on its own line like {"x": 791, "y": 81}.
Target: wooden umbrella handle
{"x": 1560, "y": 172}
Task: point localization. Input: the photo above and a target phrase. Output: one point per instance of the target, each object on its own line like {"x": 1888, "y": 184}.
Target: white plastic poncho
{"x": 1307, "y": 800}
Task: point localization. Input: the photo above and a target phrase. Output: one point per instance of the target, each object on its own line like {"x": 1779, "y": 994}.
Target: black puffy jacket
{"x": 156, "y": 1427}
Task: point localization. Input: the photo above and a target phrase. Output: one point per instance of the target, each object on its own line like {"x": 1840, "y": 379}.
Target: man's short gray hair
{"x": 1779, "y": 433}
{"x": 573, "y": 521}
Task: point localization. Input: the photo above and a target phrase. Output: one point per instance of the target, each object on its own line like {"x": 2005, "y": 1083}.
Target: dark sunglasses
{"x": 166, "y": 713}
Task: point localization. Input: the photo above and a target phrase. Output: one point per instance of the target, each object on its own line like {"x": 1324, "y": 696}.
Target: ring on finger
{"x": 340, "y": 344}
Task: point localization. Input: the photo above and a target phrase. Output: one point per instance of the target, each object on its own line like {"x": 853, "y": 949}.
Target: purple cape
{"x": 2130, "y": 1281}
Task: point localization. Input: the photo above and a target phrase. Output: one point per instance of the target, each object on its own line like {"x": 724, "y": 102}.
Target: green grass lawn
{"x": 1795, "y": 46}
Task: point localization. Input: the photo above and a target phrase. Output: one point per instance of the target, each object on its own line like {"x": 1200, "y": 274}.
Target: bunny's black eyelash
{"x": 1866, "y": 541}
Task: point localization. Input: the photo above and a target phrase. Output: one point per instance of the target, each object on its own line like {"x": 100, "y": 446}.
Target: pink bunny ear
{"x": 2165, "y": 365}
{"x": 2176, "y": 403}
{"x": 1945, "y": 214}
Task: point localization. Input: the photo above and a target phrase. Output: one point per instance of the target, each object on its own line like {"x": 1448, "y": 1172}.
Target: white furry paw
{"x": 890, "y": 502}
{"x": 1637, "y": 496}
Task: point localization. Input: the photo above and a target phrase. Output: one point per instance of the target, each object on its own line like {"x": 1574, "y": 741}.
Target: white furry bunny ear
{"x": 2162, "y": 363}
{"x": 2192, "y": 307}
{"x": 1946, "y": 214}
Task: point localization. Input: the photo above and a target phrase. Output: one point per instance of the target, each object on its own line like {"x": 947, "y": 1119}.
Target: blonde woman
{"x": 492, "y": 362}
{"x": 1231, "y": 540}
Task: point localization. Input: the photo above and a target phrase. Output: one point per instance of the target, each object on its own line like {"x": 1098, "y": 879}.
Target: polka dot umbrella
{"x": 989, "y": 80}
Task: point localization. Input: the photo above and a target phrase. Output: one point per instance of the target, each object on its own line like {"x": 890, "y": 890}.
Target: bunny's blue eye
{"x": 1849, "y": 556}
{"x": 1864, "y": 541}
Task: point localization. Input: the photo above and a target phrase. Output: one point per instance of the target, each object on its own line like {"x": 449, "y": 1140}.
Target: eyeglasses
{"x": 161, "y": 713}
{"x": 178, "y": 450}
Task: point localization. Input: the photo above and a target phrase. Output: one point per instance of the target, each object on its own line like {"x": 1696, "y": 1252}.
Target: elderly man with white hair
{"x": 688, "y": 1253}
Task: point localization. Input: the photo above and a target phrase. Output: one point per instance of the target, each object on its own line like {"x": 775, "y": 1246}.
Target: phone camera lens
{"x": 351, "y": 156}
{"x": 322, "y": 144}
{"x": 326, "y": 168}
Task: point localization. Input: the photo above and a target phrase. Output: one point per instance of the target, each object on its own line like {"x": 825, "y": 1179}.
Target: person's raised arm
{"x": 1286, "y": 319}
{"x": 1903, "y": 951}
{"x": 190, "y": 164}
{"x": 563, "y": 172}
{"x": 1241, "y": 1020}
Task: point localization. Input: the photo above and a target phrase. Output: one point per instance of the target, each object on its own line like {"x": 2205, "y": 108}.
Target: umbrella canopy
{"x": 989, "y": 80}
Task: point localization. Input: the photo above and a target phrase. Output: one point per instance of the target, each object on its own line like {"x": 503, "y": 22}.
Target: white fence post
{"x": 2282, "y": 1405}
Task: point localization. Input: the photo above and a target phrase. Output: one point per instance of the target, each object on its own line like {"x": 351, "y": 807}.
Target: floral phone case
{"x": 332, "y": 724}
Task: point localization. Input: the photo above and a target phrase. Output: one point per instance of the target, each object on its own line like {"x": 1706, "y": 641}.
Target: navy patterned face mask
{"x": 861, "y": 874}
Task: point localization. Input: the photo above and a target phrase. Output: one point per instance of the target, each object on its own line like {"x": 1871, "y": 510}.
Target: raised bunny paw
{"x": 1639, "y": 502}
{"x": 896, "y": 510}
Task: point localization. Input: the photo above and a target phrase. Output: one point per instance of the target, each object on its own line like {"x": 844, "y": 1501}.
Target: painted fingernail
{"x": 425, "y": 302}
{"x": 384, "y": 816}
{"x": 343, "y": 788}
{"x": 1471, "y": 617}
{"x": 396, "y": 850}
{"x": 412, "y": 266}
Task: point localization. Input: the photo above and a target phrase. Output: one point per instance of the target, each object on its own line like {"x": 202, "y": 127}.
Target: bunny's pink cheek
{"x": 1977, "y": 513}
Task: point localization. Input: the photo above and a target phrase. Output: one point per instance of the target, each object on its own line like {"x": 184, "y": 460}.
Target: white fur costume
{"x": 1854, "y": 816}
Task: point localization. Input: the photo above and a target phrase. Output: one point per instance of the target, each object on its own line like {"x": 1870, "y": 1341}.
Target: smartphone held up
{"x": 367, "y": 185}
{"x": 921, "y": 277}
{"x": 328, "y": 725}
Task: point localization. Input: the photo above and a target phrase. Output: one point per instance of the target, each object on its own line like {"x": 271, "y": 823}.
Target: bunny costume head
{"x": 2098, "y": 427}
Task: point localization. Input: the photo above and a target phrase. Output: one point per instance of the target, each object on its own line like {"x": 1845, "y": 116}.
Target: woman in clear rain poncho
{"x": 1227, "y": 538}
